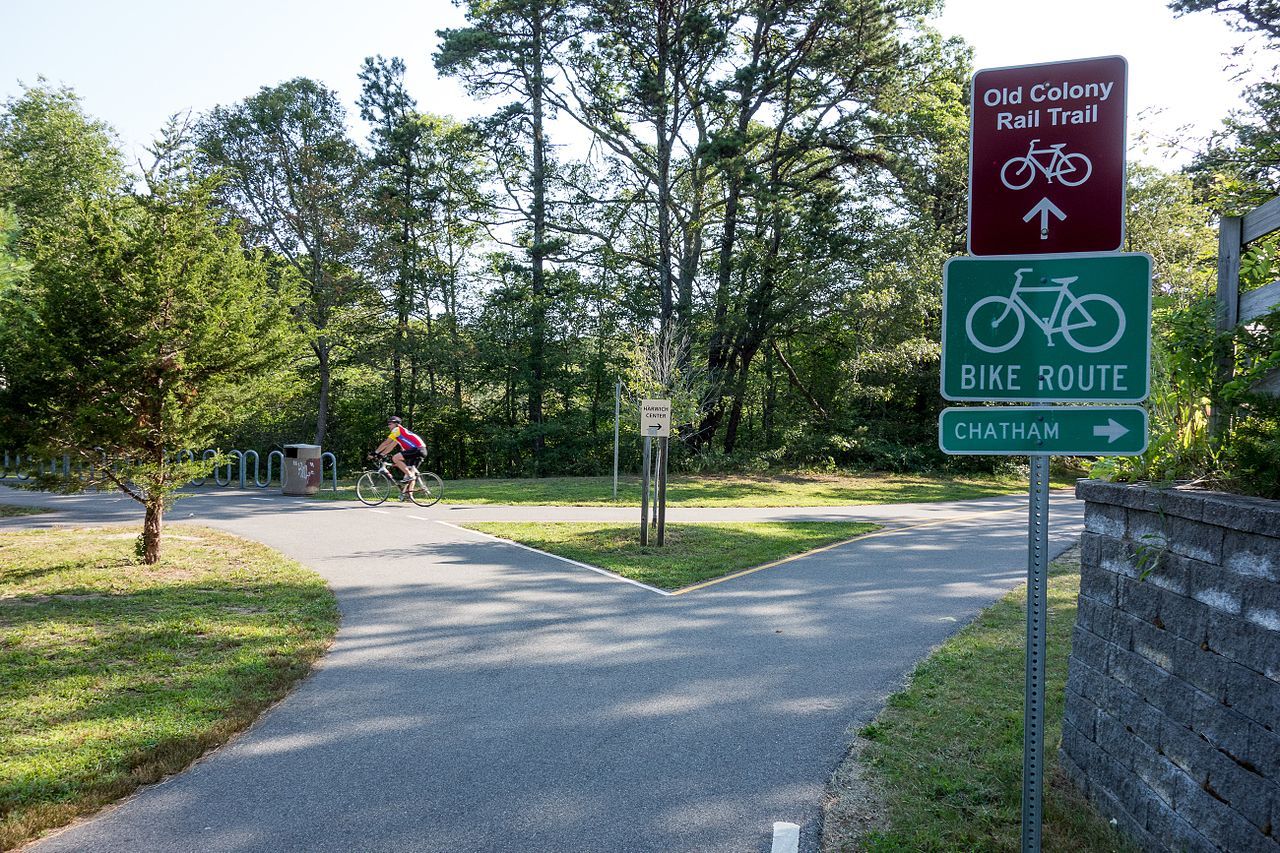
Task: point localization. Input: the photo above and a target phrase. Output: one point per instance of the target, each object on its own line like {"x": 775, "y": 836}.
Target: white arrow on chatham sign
{"x": 1111, "y": 430}
{"x": 1044, "y": 207}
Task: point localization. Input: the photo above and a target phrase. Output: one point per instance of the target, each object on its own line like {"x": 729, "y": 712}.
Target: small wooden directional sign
{"x": 655, "y": 418}
{"x": 1056, "y": 430}
{"x": 1047, "y": 158}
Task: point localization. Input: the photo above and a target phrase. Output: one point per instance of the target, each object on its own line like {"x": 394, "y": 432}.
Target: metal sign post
{"x": 1037, "y": 611}
{"x": 617, "y": 412}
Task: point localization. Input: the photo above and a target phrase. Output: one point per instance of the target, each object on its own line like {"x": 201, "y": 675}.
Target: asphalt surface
{"x": 483, "y": 697}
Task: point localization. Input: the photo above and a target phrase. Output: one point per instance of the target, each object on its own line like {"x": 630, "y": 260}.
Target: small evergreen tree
{"x": 142, "y": 323}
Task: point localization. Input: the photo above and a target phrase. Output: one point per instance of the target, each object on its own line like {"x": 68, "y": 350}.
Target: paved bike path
{"x": 481, "y": 697}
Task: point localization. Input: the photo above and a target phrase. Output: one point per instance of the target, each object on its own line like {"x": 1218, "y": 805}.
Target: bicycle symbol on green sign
{"x": 1082, "y": 328}
{"x": 1071, "y": 170}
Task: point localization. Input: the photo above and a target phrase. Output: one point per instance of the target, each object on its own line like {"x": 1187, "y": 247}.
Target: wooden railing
{"x": 1235, "y": 233}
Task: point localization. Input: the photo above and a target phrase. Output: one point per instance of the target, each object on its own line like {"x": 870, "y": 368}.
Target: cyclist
{"x": 409, "y": 449}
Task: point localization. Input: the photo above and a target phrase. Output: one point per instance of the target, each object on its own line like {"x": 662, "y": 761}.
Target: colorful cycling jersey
{"x": 406, "y": 439}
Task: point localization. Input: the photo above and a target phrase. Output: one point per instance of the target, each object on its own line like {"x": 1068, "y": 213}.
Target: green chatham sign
{"x": 1047, "y": 328}
{"x": 1055, "y": 430}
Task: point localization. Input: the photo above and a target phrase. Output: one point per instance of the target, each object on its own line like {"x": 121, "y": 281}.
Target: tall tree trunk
{"x": 718, "y": 349}
{"x": 455, "y": 368}
{"x": 664, "y": 115}
{"x": 739, "y": 397}
{"x": 537, "y": 347}
{"x": 322, "y": 406}
{"x": 403, "y": 300}
{"x": 770, "y": 398}
{"x": 321, "y": 345}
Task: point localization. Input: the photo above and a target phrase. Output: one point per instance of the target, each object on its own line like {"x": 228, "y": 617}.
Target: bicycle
{"x": 1060, "y": 166}
{"x": 378, "y": 484}
{"x": 1016, "y": 305}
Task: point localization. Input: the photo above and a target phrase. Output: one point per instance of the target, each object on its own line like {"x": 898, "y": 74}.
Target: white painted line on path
{"x": 786, "y": 837}
{"x": 420, "y": 517}
{"x": 380, "y": 511}
{"x": 595, "y": 569}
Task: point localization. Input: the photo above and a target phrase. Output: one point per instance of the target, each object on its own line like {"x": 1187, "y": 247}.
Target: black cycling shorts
{"x": 412, "y": 456}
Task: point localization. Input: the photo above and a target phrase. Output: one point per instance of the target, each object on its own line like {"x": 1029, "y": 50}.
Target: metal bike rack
{"x": 217, "y": 478}
{"x": 204, "y": 457}
{"x": 11, "y": 466}
{"x": 189, "y": 456}
{"x": 257, "y": 464}
{"x": 271, "y": 456}
{"x": 333, "y": 467}
{"x": 236, "y": 467}
{"x": 239, "y": 455}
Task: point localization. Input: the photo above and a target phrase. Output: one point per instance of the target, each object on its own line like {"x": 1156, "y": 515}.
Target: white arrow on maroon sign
{"x": 1044, "y": 207}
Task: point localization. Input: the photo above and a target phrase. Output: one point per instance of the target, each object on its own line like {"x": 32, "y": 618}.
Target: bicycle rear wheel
{"x": 373, "y": 488}
{"x": 427, "y": 489}
{"x": 1020, "y": 177}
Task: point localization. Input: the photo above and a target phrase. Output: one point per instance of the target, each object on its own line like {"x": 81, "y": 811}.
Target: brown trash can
{"x": 302, "y": 468}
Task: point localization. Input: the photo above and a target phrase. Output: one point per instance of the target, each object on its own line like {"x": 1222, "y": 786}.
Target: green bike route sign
{"x": 1047, "y": 328}
{"x": 1054, "y": 430}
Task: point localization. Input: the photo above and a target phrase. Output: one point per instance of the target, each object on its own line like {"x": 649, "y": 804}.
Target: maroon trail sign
{"x": 1046, "y": 163}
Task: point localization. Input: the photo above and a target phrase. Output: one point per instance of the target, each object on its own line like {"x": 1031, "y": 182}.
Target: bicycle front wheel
{"x": 1096, "y": 328}
{"x": 373, "y": 488}
{"x": 1074, "y": 170}
{"x": 428, "y": 489}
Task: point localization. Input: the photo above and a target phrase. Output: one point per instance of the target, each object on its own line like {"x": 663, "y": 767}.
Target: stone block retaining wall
{"x": 1172, "y": 720}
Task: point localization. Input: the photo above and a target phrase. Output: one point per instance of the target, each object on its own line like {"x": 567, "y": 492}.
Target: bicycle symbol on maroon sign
{"x": 1071, "y": 170}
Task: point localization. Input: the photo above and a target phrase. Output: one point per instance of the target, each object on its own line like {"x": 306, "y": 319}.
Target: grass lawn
{"x": 693, "y": 552}
{"x": 114, "y": 674}
{"x": 13, "y": 510}
{"x": 941, "y": 767}
{"x": 749, "y": 490}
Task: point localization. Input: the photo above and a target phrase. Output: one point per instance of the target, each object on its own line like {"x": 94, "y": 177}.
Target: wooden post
{"x": 662, "y": 490}
{"x": 1228, "y": 308}
{"x": 644, "y": 492}
{"x": 617, "y": 411}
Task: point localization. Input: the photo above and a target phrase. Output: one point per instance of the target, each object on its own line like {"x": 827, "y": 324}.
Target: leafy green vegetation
{"x": 692, "y": 553}
{"x": 943, "y": 761}
{"x": 1235, "y": 170}
{"x": 749, "y": 490}
{"x": 114, "y": 673}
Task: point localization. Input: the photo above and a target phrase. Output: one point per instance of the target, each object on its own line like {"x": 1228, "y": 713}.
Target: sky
{"x": 137, "y": 62}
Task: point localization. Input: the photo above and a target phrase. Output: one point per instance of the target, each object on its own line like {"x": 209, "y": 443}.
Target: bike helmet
{"x": 394, "y": 419}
